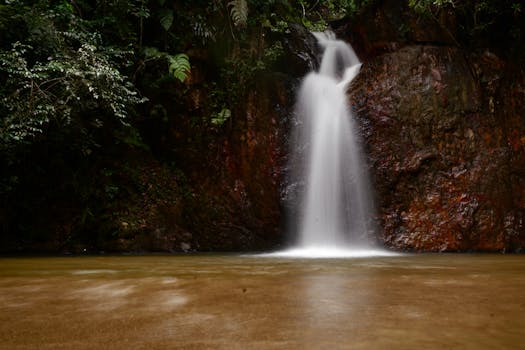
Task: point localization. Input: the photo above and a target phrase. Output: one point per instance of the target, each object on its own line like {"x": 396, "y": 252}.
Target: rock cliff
{"x": 445, "y": 132}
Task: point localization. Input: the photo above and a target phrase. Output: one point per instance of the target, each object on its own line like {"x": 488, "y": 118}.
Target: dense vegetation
{"x": 90, "y": 90}
{"x": 480, "y": 23}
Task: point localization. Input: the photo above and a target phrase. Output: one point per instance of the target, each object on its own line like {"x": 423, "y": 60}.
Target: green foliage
{"x": 274, "y": 52}
{"x": 204, "y": 31}
{"x": 60, "y": 79}
{"x": 221, "y": 117}
{"x": 276, "y": 14}
{"x": 426, "y": 7}
{"x": 65, "y": 96}
{"x": 179, "y": 66}
{"x": 60, "y": 90}
{"x": 239, "y": 12}
{"x": 496, "y": 23}
{"x": 317, "y": 25}
{"x": 166, "y": 18}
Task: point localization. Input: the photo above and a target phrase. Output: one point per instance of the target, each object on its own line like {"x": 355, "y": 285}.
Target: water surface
{"x": 236, "y": 302}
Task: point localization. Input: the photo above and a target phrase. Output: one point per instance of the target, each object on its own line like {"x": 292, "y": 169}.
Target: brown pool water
{"x": 235, "y": 302}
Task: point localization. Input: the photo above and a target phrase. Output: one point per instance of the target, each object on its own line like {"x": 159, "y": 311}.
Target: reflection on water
{"x": 327, "y": 301}
{"x": 232, "y": 302}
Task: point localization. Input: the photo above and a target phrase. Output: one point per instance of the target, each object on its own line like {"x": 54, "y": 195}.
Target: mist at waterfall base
{"x": 336, "y": 211}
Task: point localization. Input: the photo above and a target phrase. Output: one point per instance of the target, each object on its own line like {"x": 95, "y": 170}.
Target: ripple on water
{"x": 171, "y": 299}
{"x": 105, "y": 290}
{"x": 93, "y": 272}
{"x": 169, "y": 280}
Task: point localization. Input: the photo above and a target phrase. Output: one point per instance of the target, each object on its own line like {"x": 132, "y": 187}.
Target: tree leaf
{"x": 179, "y": 66}
{"x": 166, "y": 19}
{"x": 221, "y": 117}
{"x": 239, "y": 12}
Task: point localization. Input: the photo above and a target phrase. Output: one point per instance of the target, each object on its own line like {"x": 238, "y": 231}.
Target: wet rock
{"x": 415, "y": 162}
{"x": 445, "y": 141}
{"x": 300, "y": 50}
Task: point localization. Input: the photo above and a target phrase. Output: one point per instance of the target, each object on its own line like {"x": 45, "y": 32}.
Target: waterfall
{"x": 336, "y": 211}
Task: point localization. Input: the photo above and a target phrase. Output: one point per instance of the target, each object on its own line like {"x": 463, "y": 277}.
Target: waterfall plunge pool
{"x": 251, "y": 302}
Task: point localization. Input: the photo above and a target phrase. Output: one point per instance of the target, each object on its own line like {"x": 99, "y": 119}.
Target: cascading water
{"x": 336, "y": 216}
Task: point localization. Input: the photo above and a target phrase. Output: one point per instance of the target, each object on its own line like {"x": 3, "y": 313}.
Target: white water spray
{"x": 336, "y": 216}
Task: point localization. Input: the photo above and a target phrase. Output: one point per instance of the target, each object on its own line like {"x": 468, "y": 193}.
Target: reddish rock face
{"x": 446, "y": 141}
{"x": 248, "y": 173}
{"x": 217, "y": 187}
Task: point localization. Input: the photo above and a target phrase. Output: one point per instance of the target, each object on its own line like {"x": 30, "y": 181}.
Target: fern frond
{"x": 238, "y": 12}
{"x": 179, "y": 66}
{"x": 166, "y": 18}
